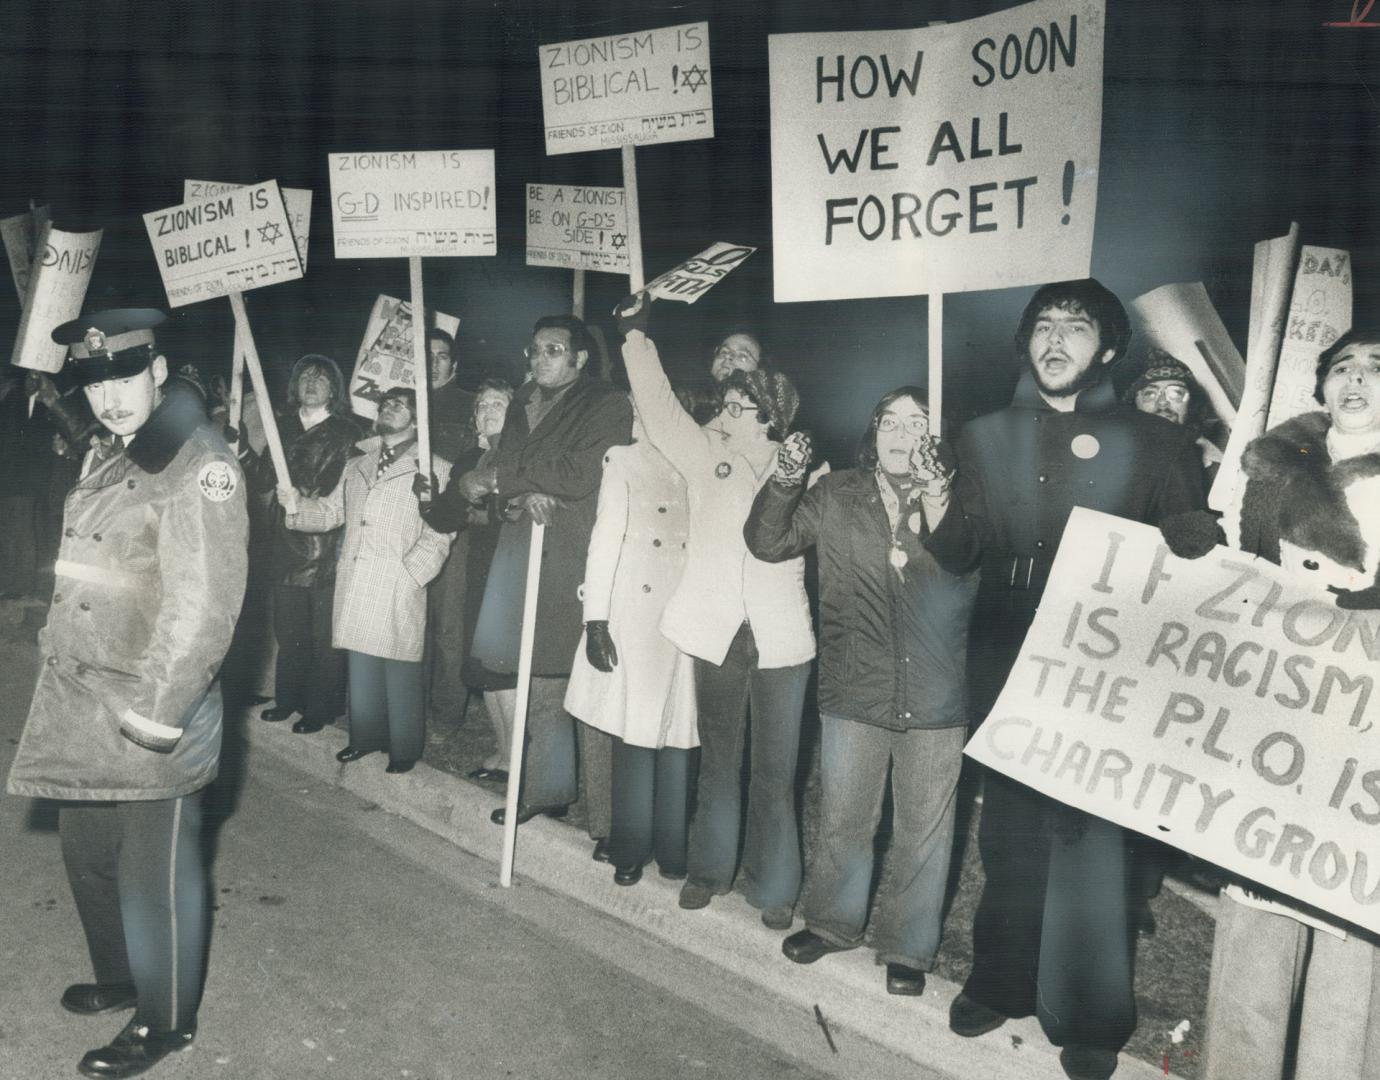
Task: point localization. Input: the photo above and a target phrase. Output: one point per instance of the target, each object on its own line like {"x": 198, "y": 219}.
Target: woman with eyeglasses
{"x": 893, "y": 642}
{"x": 747, "y": 624}
{"x": 477, "y": 526}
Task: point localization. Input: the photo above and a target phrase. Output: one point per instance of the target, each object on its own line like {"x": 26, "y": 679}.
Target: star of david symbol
{"x": 270, "y": 232}
{"x": 619, "y": 240}
{"x": 694, "y": 77}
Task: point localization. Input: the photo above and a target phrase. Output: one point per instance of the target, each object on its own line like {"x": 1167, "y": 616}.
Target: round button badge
{"x": 1085, "y": 446}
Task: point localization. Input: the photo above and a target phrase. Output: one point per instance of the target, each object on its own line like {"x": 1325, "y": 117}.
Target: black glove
{"x": 425, "y": 487}
{"x": 633, "y": 312}
{"x": 599, "y": 650}
{"x": 237, "y": 438}
{"x": 1359, "y": 599}
{"x": 1192, "y": 534}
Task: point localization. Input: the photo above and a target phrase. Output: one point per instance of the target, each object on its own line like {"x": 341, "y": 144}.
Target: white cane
{"x": 524, "y": 685}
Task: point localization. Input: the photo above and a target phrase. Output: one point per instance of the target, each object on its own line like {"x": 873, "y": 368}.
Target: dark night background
{"x": 1222, "y": 122}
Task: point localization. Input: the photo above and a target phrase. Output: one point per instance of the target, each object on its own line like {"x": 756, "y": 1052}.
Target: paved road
{"x": 349, "y": 943}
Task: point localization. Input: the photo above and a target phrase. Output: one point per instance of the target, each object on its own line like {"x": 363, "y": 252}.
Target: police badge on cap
{"x": 113, "y": 344}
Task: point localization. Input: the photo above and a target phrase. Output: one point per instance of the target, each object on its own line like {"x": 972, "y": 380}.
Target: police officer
{"x": 125, "y": 724}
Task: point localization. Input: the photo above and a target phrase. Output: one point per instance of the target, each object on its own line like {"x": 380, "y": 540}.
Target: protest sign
{"x": 413, "y": 203}
{"x": 579, "y": 228}
{"x": 386, "y": 356}
{"x": 1216, "y": 704}
{"x": 230, "y": 243}
{"x": 696, "y": 276}
{"x": 1274, "y": 263}
{"x": 947, "y": 159}
{"x": 58, "y": 279}
{"x": 20, "y": 234}
{"x": 1181, "y": 320}
{"x": 297, "y": 202}
{"x": 1319, "y": 313}
{"x": 651, "y": 86}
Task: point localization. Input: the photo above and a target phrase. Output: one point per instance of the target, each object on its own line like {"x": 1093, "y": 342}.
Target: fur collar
{"x": 169, "y": 426}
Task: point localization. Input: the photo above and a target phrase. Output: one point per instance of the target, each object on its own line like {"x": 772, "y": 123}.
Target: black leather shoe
{"x": 307, "y": 727}
{"x": 904, "y": 980}
{"x": 627, "y": 875}
{"x": 88, "y": 999}
{"x": 399, "y": 766}
{"x": 601, "y": 852}
{"x": 524, "y": 816}
{"x": 277, "y": 713}
{"x": 352, "y": 753}
{"x": 135, "y": 1050}
{"x": 805, "y": 947}
{"x": 971, "y": 1019}
{"x": 1087, "y": 1062}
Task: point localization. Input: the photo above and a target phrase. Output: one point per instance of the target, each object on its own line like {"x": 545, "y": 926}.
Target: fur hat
{"x": 772, "y": 391}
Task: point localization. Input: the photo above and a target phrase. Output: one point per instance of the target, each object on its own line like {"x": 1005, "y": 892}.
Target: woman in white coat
{"x": 747, "y": 624}
{"x": 628, "y": 680}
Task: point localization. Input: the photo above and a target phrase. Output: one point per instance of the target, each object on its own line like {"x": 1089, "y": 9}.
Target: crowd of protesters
{"x": 674, "y": 642}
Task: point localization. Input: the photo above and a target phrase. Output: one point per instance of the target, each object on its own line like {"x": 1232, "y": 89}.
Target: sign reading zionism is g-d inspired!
{"x": 948, "y": 159}
{"x": 630, "y": 89}
{"x": 1215, "y": 704}
{"x": 406, "y": 203}
{"x": 578, "y": 228}
{"x": 230, "y": 243}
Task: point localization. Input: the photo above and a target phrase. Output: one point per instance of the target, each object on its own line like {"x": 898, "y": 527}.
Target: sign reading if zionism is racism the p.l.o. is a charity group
{"x": 650, "y": 86}
{"x": 230, "y": 243}
{"x": 1218, "y": 704}
{"x": 947, "y": 159}
{"x": 405, "y": 203}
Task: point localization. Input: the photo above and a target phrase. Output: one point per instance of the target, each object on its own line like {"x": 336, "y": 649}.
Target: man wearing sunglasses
{"x": 546, "y": 472}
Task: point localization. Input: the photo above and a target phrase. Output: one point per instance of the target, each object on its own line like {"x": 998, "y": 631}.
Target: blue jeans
{"x": 854, "y": 760}
{"x": 651, "y": 798}
{"x": 386, "y": 699}
{"x": 771, "y": 847}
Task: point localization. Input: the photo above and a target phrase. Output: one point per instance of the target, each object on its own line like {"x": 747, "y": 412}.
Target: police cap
{"x": 112, "y": 344}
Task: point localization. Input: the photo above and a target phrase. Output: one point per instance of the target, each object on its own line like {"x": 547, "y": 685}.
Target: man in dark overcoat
{"x": 547, "y": 470}
{"x": 1050, "y": 935}
{"x": 125, "y": 724}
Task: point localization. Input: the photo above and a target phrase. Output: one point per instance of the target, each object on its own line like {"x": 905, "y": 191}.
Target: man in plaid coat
{"x": 388, "y": 555}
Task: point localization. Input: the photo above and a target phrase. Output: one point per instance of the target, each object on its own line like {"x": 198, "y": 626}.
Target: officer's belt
{"x": 1019, "y": 573}
{"x": 100, "y": 575}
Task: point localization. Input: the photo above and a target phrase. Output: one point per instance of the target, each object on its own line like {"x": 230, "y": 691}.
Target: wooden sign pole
{"x": 256, "y": 376}
{"x": 936, "y": 361}
{"x": 421, "y": 362}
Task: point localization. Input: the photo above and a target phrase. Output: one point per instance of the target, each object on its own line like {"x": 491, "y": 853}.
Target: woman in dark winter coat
{"x": 1311, "y": 504}
{"x": 477, "y": 529}
{"x": 318, "y": 436}
{"x": 893, "y": 640}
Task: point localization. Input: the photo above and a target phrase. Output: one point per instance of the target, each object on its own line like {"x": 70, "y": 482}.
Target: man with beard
{"x": 387, "y": 557}
{"x": 125, "y": 725}
{"x": 1050, "y": 935}
{"x": 318, "y": 438}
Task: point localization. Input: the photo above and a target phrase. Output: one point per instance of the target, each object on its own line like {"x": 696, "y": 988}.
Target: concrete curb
{"x": 848, "y": 988}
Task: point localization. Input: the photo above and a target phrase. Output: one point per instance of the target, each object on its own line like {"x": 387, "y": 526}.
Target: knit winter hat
{"x": 1162, "y": 368}
{"x": 772, "y": 391}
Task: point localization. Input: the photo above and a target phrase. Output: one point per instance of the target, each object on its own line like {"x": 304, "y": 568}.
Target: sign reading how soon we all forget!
{"x": 1216, "y": 704}
{"x": 948, "y": 159}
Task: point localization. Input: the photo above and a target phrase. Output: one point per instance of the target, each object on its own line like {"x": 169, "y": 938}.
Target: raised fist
{"x": 793, "y": 458}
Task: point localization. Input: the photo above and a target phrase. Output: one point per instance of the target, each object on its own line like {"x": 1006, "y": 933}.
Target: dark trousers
{"x": 386, "y": 706}
{"x": 310, "y": 675}
{"x": 651, "y": 802}
{"x": 139, "y": 883}
{"x": 550, "y": 775}
{"x": 18, "y": 544}
{"x": 1051, "y": 935}
{"x": 771, "y": 846}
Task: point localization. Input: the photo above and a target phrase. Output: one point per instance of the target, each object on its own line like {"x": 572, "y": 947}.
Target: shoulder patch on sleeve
{"x": 217, "y": 481}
